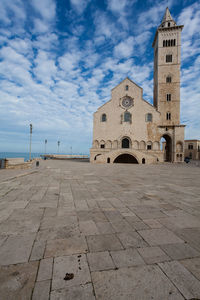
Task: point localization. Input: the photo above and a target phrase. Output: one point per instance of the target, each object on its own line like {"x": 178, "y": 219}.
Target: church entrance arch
{"x": 125, "y": 159}
{"x": 166, "y": 147}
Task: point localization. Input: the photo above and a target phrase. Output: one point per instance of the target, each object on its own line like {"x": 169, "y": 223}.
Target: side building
{"x": 128, "y": 129}
{"x": 192, "y": 149}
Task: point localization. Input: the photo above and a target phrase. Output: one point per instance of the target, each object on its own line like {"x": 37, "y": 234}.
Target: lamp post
{"x": 71, "y": 149}
{"x": 45, "y": 146}
{"x": 58, "y": 146}
{"x": 31, "y": 130}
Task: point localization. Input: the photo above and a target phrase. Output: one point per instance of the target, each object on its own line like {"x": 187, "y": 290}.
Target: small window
{"x": 174, "y": 42}
{"x": 168, "y": 79}
{"x": 168, "y": 97}
{"x": 126, "y": 88}
{"x": 168, "y": 116}
{"x": 103, "y": 118}
{"x": 168, "y": 24}
{"x": 102, "y": 146}
{"x": 127, "y": 117}
{"x": 190, "y": 146}
{"x": 148, "y": 147}
{"x": 108, "y": 160}
{"x": 163, "y": 43}
{"x": 169, "y": 58}
{"x": 143, "y": 161}
{"x": 148, "y": 117}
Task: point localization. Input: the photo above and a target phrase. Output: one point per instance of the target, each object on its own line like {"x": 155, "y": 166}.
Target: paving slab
{"x": 193, "y": 265}
{"x": 88, "y": 227}
{"x": 45, "y": 269}
{"x": 103, "y": 242}
{"x": 73, "y": 264}
{"x": 59, "y": 247}
{"x": 152, "y": 255}
{"x": 180, "y": 251}
{"x": 16, "y": 249}
{"x": 131, "y": 239}
{"x": 17, "y": 281}
{"x": 41, "y": 290}
{"x": 82, "y": 292}
{"x": 144, "y": 282}
{"x": 127, "y": 258}
{"x": 186, "y": 283}
{"x": 159, "y": 237}
{"x": 99, "y": 261}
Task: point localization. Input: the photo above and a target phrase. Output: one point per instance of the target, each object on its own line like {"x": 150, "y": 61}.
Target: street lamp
{"x": 31, "y": 130}
{"x": 45, "y": 146}
{"x": 58, "y": 146}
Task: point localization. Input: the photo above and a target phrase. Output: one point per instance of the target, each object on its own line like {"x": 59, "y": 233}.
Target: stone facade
{"x": 128, "y": 129}
{"x": 192, "y": 149}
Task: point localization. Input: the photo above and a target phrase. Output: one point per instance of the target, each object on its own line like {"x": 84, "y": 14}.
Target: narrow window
{"x": 169, "y": 58}
{"x": 168, "y": 43}
{"x": 168, "y": 116}
{"x": 168, "y": 24}
{"x": 103, "y": 118}
{"x": 190, "y": 146}
{"x": 148, "y": 117}
{"x": 163, "y": 43}
{"x": 168, "y": 79}
{"x": 126, "y": 87}
{"x": 168, "y": 97}
{"x": 174, "y": 42}
{"x": 108, "y": 160}
{"x": 127, "y": 117}
{"x": 102, "y": 146}
{"x": 143, "y": 161}
{"x": 125, "y": 143}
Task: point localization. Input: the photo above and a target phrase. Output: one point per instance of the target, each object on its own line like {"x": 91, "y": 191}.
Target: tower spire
{"x": 167, "y": 19}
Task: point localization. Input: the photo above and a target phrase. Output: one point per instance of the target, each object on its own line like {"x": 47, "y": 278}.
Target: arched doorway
{"x": 166, "y": 147}
{"x": 125, "y": 143}
{"x": 125, "y": 159}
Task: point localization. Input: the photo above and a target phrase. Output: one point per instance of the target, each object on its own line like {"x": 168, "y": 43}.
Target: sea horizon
{"x": 25, "y": 155}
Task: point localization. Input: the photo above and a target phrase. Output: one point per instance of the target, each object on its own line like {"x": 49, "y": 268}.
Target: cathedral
{"x": 128, "y": 129}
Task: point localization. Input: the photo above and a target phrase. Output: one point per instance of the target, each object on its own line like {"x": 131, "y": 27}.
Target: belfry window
{"x": 168, "y": 79}
{"x": 148, "y": 117}
{"x": 103, "y": 118}
{"x": 127, "y": 117}
{"x": 169, "y": 58}
{"x": 168, "y": 97}
{"x": 168, "y": 116}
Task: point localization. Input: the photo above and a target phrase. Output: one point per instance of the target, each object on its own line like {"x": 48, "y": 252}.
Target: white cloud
{"x": 124, "y": 49}
{"x": 79, "y": 6}
{"x": 46, "y": 8}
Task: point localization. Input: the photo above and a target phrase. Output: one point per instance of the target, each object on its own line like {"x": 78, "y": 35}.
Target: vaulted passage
{"x": 125, "y": 159}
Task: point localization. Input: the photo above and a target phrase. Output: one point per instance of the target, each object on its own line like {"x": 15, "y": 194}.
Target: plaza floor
{"x": 75, "y": 230}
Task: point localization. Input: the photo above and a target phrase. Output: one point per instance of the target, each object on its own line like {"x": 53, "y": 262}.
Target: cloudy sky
{"x": 59, "y": 59}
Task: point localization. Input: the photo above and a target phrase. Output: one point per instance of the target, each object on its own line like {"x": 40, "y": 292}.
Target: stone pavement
{"x": 122, "y": 231}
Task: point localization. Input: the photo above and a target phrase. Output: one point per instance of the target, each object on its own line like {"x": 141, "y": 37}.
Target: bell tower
{"x": 167, "y": 60}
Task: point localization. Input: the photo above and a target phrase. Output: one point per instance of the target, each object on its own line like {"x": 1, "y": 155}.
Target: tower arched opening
{"x": 166, "y": 147}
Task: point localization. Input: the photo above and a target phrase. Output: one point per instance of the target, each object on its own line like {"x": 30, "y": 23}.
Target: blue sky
{"x": 59, "y": 59}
